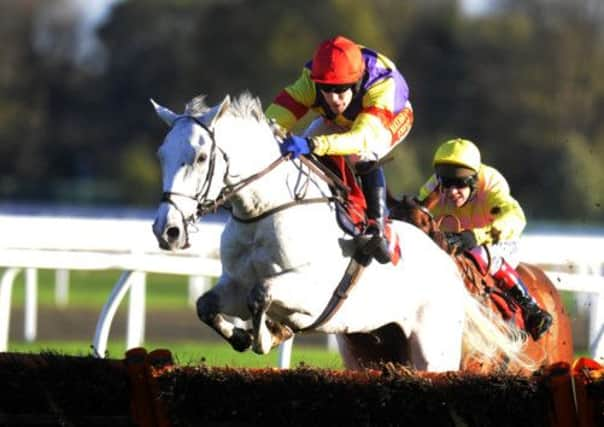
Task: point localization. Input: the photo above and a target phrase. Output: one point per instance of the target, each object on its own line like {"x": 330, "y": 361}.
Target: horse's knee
{"x": 207, "y": 307}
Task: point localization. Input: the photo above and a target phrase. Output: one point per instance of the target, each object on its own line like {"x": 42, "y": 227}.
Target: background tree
{"x": 523, "y": 81}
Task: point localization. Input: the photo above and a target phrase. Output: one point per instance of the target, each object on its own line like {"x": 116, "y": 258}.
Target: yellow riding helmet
{"x": 458, "y": 157}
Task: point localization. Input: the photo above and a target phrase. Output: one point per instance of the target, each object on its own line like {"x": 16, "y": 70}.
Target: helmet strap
{"x": 473, "y": 191}
{"x": 356, "y": 89}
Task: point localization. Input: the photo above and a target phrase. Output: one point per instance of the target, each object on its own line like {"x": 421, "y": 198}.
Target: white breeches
{"x": 507, "y": 250}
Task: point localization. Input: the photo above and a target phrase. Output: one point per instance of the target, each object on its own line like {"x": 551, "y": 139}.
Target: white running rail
{"x": 27, "y": 243}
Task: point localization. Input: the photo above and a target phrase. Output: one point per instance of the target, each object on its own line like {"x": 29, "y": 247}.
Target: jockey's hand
{"x": 463, "y": 241}
{"x": 296, "y": 146}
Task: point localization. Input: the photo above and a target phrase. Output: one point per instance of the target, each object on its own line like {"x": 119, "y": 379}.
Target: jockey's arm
{"x": 508, "y": 218}
{"x": 365, "y": 136}
{"x": 370, "y": 132}
{"x": 293, "y": 102}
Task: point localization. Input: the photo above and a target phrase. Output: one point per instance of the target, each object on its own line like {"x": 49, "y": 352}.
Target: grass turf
{"x": 193, "y": 353}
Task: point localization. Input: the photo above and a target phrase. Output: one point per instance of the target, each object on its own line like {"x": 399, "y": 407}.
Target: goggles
{"x": 334, "y": 88}
{"x": 456, "y": 182}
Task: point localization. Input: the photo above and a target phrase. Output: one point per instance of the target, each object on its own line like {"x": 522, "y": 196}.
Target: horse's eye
{"x": 202, "y": 158}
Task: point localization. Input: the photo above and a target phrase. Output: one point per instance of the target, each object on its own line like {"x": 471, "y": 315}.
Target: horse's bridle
{"x": 205, "y": 205}
{"x": 201, "y": 195}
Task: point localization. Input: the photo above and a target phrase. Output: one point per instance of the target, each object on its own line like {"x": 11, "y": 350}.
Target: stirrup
{"x": 380, "y": 251}
{"x": 375, "y": 244}
{"x": 378, "y": 247}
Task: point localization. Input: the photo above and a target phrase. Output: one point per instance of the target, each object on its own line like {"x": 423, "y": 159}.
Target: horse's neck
{"x": 287, "y": 183}
{"x": 252, "y": 148}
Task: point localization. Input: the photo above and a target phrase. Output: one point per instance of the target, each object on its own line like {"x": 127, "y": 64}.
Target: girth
{"x": 341, "y": 292}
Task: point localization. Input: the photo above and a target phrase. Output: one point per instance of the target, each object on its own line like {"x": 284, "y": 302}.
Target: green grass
{"x": 194, "y": 353}
{"x": 90, "y": 289}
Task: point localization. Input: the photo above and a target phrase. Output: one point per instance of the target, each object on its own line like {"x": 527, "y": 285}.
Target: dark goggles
{"x": 456, "y": 182}
{"x": 334, "y": 88}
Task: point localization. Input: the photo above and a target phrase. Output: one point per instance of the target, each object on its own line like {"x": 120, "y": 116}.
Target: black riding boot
{"x": 374, "y": 189}
{"x": 536, "y": 320}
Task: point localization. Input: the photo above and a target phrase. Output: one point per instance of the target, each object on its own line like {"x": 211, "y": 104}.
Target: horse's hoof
{"x": 280, "y": 332}
{"x": 241, "y": 340}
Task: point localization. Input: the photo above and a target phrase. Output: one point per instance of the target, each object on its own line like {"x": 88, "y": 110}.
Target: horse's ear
{"x": 164, "y": 113}
{"x": 217, "y": 112}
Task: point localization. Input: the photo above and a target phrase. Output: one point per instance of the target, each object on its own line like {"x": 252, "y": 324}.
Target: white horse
{"x": 283, "y": 253}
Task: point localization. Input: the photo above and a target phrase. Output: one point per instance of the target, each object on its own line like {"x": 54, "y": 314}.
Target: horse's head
{"x": 409, "y": 209}
{"x": 188, "y": 159}
{"x": 412, "y": 211}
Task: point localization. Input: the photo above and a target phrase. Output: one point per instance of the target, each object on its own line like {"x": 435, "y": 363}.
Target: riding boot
{"x": 374, "y": 189}
{"x": 536, "y": 320}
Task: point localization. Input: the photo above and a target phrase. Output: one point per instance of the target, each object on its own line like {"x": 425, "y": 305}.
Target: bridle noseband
{"x": 201, "y": 196}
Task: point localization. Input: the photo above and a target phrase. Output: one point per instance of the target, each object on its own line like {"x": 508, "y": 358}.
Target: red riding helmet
{"x": 337, "y": 61}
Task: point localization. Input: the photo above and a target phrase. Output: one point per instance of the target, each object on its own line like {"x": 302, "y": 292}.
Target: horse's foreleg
{"x": 208, "y": 311}
{"x": 259, "y": 300}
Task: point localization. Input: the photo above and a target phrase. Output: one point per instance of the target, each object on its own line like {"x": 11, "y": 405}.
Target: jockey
{"x": 364, "y": 111}
{"x": 491, "y": 220}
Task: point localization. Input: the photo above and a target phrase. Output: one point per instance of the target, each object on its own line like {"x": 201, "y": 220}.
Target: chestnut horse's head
{"x": 411, "y": 210}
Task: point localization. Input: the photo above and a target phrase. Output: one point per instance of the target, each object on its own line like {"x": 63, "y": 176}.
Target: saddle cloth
{"x": 487, "y": 289}
{"x": 352, "y": 214}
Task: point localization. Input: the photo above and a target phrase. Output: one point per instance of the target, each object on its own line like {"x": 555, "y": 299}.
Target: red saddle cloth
{"x": 480, "y": 282}
{"x": 355, "y": 208}
{"x": 509, "y": 311}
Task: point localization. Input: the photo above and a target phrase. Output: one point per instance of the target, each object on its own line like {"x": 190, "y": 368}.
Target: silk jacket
{"x": 371, "y": 118}
{"x": 491, "y": 213}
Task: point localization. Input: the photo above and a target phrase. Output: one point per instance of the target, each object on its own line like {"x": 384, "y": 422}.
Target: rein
{"x": 282, "y": 208}
{"x": 319, "y": 169}
{"x": 206, "y": 205}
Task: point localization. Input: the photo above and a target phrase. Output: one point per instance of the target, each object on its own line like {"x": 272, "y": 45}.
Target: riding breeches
{"x": 495, "y": 254}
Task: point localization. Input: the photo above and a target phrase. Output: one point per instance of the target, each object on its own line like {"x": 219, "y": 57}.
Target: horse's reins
{"x": 320, "y": 171}
{"x": 206, "y": 205}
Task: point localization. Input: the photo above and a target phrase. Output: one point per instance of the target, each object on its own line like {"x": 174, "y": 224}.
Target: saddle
{"x": 483, "y": 285}
{"x": 351, "y": 206}
{"x": 351, "y": 215}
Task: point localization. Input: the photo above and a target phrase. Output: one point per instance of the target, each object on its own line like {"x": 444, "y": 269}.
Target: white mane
{"x": 196, "y": 106}
{"x": 244, "y": 106}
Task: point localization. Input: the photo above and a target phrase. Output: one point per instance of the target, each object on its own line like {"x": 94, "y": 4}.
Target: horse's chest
{"x": 251, "y": 255}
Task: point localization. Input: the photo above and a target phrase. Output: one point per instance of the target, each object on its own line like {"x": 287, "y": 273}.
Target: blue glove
{"x": 295, "y": 145}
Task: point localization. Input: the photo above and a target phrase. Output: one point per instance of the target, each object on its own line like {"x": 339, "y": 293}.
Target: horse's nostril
{"x": 173, "y": 233}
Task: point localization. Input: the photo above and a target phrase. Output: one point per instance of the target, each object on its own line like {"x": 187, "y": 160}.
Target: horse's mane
{"x": 244, "y": 106}
{"x": 197, "y": 106}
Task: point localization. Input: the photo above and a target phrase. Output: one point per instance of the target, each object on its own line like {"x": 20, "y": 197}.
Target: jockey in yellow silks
{"x": 489, "y": 220}
{"x": 362, "y": 101}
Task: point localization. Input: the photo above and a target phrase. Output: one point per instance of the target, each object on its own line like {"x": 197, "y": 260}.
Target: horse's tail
{"x": 487, "y": 337}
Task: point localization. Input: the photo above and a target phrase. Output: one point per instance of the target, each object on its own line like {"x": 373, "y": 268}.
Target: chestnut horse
{"x": 554, "y": 346}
